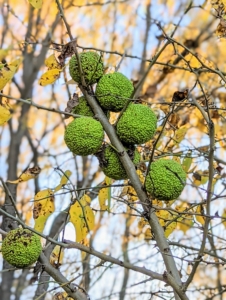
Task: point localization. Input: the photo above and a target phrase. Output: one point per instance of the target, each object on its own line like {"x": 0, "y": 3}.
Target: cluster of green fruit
{"x": 137, "y": 125}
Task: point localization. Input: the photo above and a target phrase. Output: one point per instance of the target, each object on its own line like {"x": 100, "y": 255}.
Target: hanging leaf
{"x": 102, "y": 197}
{"x": 6, "y": 74}
{"x": 36, "y": 3}
{"x": 30, "y": 173}
{"x": 16, "y": 63}
{"x": 180, "y": 134}
{"x": 105, "y": 194}
{"x": 170, "y": 228}
{"x": 164, "y": 217}
{"x": 43, "y": 208}
{"x": 142, "y": 222}
{"x": 187, "y": 161}
{"x": 57, "y": 255}
{"x": 52, "y": 63}
{"x": 61, "y": 296}
{"x": 49, "y": 77}
{"x": 5, "y": 115}
{"x": 148, "y": 234}
{"x": 3, "y": 53}
{"x": 129, "y": 191}
{"x": 82, "y": 217}
{"x": 63, "y": 181}
{"x": 200, "y": 210}
{"x": 224, "y": 216}
{"x": 185, "y": 222}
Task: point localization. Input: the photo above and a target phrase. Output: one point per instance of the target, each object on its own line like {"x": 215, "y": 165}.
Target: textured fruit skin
{"x": 113, "y": 91}
{"x": 84, "y": 136}
{"x": 165, "y": 180}
{"x": 137, "y": 125}
{"x": 114, "y": 168}
{"x": 21, "y": 247}
{"x": 92, "y": 67}
{"x": 83, "y": 108}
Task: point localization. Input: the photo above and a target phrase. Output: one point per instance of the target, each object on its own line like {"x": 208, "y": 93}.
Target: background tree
{"x": 139, "y": 248}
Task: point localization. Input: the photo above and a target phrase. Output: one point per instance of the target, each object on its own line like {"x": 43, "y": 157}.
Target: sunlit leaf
{"x": 3, "y": 53}
{"x": 52, "y": 63}
{"x": 130, "y": 191}
{"x": 102, "y": 197}
{"x": 142, "y": 222}
{"x": 57, "y": 255}
{"x": 180, "y": 133}
{"x": 148, "y": 234}
{"x": 63, "y": 181}
{"x": 6, "y": 74}
{"x": 43, "y": 208}
{"x": 61, "y": 296}
{"x": 184, "y": 222}
{"x": 170, "y": 228}
{"x": 5, "y": 115}
{"x": 16, "y": 63}
{"x": 81, "y": 216}
{"x": 49, "y": 77}
{"x": 224, "y": 216}
{"x": 36, "y": 3}
{"x": 30, "y": 173}
{"x": 186, "y": 164}
{"x": 200, "y": 210}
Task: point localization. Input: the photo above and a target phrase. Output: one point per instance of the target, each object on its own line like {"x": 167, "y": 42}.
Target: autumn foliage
{"x": 113, "y": 148}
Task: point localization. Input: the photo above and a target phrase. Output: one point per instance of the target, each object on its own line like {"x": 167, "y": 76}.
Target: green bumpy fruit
{"x": 84, "y": 136}
{"x": 21, "y": 247}
{"x": 137, "y": 125}
{"x": 113, "y": 91}
{"x": 92, "y": 67}
{"x": 165, "y": 180}
{"x": 112, "y": 166}
{"x": 83, "y": 108}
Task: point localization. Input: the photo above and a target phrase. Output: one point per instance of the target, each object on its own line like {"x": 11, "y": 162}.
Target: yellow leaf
{"x": 3, "y": 53}
{"x": 5, "y": 115}
{"x": 142, "y": 222}
{"x": 224, "y": 216}
{"x": 180, "y": 133}
{"x": 177, "y": 159}
{"x": 102, "y": 197}
{"x": 200, "y": 210}
{"x": 49, "y": 77}
{"x": 6, "y": 74}
{"x": 148, "y": 234}
{"x": 36, "y": 3}
{"x": 165, "y": 217}
{"x": 170, "y": 228}
{"x": 131, "y": 193}
{"x": 43, "y": 208}
{"x": 62, "y": 296}
{"x": 57, "y": 255}
{"x": 30, "y": 173}
{"x": 63, "y": 181}
{"x": 52, "y": 63}
{"x": 185, "y": 222}
{"x": 16, "y": 63}
{"x": 105, "y": 194}
{"x": 81, "y": 216}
